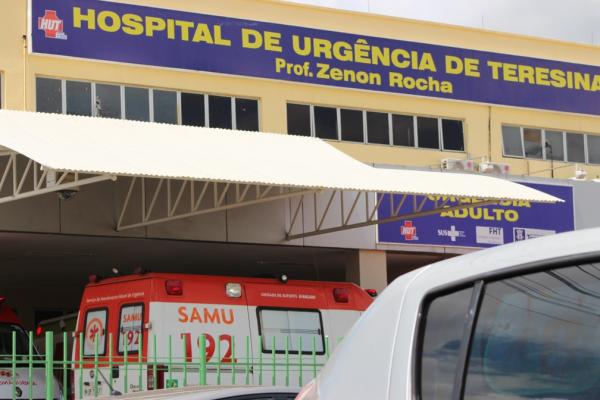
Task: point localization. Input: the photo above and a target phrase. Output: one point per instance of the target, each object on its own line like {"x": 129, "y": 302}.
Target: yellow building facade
{"x": 482, "y": 123}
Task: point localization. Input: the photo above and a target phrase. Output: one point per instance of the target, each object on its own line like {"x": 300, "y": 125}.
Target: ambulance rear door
{"x": 215, "y": 308}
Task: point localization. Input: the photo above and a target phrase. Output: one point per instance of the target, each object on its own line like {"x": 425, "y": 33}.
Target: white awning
{"x": 125, "y": 148}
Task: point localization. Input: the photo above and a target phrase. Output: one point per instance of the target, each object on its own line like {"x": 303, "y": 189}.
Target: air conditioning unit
{"x": 487, "y": 167}
{"x": 453, "y": 164}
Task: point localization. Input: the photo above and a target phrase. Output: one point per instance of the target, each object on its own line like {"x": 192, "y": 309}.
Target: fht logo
{"x": 409, "y": 231}
{"x": 52, "y": 26}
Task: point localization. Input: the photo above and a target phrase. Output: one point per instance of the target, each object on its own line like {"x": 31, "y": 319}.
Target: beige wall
{"x": 482, "y": 122}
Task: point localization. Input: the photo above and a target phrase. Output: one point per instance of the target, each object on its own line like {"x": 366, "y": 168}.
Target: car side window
{"x": 537, "y": 336}
{"x": 442, "y": 336}
{"x": 95, "y": 332}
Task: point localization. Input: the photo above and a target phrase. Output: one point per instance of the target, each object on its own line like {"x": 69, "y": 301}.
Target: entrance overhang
{"x": 177, "y": 172}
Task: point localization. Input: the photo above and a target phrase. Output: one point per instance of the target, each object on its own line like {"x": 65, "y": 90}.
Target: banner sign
{"x": 117, "y": 32}
{"x": 488, "y": 226}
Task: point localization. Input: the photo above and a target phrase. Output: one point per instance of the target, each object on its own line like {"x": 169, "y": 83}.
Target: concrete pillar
{"x": 368, "y": 269}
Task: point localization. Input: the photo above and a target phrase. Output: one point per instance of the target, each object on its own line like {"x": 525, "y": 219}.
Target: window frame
{"x": 288, "y": 309}
{"x": 141, "y": 330}
{"x": 479, "y": 284}
{"x": 565, "y": 159}
{"x": 150, "y": 89}
{"x": 106, "y": 330}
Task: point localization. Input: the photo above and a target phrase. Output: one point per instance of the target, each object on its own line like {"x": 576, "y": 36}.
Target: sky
{"x": 571, "y": 20}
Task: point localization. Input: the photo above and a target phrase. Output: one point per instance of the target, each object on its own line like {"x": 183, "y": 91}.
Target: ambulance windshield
{"x": 6, "y": 348}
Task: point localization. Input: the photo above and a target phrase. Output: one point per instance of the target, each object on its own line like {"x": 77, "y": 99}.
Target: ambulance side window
{"x": 301, "y": 330}
{"x": 95, "y": 332}
{"x": 131, "y": 320}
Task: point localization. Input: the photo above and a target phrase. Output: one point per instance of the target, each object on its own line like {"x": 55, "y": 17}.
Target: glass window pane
{"x": 108, "y": 101}
{"x": 95, "y": 330}
{"x": 443, "y": 335}
{"x": 165, "y": 106}
{"x": 554, "y": 146}
{"x": 427, "y": 129}
{"x": 246, "y": 114}
{"x": 298, "y": 119}
{"x": 219, "y": 112}
{"x": 79, "y": 98}
{"x": 130, "y": 328}
{"x": 575, "y": 148}
{"x": 403, "y": 130}
{"x": 48, "y": 95}
{"x": 291, "y": 324}
{"x": 532, "y": 139}
{"x": 594, "y": 149}
{"x": 452, "y": 133}
{"x": 537, "y": 337}
{"x": 192, "y": 109}
{"x": 378, "y": 130}
{"x": 511, "y": 138}
{"x": 352, "y": 125}
{"x": 326, "y": 122}
{"x": 137, "y": 104}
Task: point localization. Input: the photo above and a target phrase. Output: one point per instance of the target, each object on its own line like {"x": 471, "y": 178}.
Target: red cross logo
{"x": 52, "y": 26}
{"x": 94, "y": 329}
{"x": 408, "y": 231}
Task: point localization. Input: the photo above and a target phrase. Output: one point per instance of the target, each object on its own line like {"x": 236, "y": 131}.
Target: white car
{"x": 213, "y": 393}
{"x": 516, "y": 322}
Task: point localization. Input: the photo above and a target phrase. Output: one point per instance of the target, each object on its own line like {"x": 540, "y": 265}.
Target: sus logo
{"x": 52, "y": 26}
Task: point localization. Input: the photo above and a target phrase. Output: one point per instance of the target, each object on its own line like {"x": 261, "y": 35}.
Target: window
{"x": 192, "y": 109}
{"x": 165, "y": 106}
{"x": 511, "y": 138}
{"x": 428, "y": 136}
{"x": 378, "y": 128}
{"x": 557, "y": 145}
{"x": 532, "y": 142}
{"x": 530, "y": 337}
{"x": 575, "y": 148}
{"x": 95, "y": 332}
{"x": 373, "y": 127}
{"x": 443, "y": 332}
{"x": 137, "y": 104}
{"x": 555, "y": 149}
{"x": 131, "y": 322}
{"x": 108, "y": 101}
{"x": 537, "y": 337}
{"x": 403, "y": 130}
{"x": 219, "y": 112}
{"x": 246, "y": 114}
{"x": 325, "y": 122}
{"x": 352, "y": 125}
{"x": 48, "y": 95}
{"x": 145, "y": 104}
{"x": 79, "y": 98}
{"x": 298, "y": 119}
{"x": 593, "y": 149}
{"x": 452, "y": 135}
{"x": 292, "y": 327}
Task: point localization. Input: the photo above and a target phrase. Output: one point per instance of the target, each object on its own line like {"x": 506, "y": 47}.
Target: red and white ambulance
{"x": 249, "y": 325}
{"x": 17, "y": 379}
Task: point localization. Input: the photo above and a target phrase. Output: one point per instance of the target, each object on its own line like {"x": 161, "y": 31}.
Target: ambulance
{"x": 15, "y": 379}
{"x": 143, "y": 331}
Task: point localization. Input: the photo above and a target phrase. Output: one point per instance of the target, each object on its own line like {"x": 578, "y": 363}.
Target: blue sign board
{"x": 487, "y": 226}
{"x": 117, "y": 32}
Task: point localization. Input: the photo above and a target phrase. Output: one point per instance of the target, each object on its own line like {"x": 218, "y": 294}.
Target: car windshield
{"x": 6, "y": 347}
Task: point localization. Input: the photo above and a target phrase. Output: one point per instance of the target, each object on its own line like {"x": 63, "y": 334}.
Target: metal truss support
{"x": 420, "y": 206}
{"x": 152, "y": 201}
{"x": 21, "y": 178}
